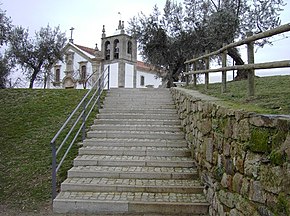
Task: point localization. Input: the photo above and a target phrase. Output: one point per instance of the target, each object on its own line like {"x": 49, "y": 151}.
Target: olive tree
{"x": 167, "y": 39}
{"x": 5, "y": 26}
{"x": 36, "y": 55}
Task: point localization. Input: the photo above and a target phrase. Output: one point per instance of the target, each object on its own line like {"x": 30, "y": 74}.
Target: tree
{"x": 167, "y": 40}
{"x": 36, "y": 55}
{"x": 5, "y": 26}
{"x": 163, "y": 39}
{"x": 227, "y": 20}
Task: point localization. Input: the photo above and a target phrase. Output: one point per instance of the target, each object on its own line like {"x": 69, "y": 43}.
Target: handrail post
{"x": 251, "y": 73}
{"x": 53, "y": 179}
{"x": 206, "y": 75}
{"x": 84, "y": 121}
{"x": 109, "y": 77}
{"x": 224, "y": 73}
{"x": 99, "y": 94}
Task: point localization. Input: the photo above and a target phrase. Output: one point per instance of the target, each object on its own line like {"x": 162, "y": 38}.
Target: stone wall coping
{"x": 199, "y": 96}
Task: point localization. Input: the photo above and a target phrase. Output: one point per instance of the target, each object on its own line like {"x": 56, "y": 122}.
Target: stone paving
{"x": 135, "y": 160}
{"x": 137, "y": 197}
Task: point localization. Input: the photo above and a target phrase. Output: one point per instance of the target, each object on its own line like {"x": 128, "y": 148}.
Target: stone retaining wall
{"x": 243, "y": 158}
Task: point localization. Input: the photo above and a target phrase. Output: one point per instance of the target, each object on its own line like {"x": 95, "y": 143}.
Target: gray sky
{"x": 88, "y": 17}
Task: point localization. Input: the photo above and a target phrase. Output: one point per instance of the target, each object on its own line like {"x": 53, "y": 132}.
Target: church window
{"x": 142, "y": 81}
{"x": 57, "y": 75}
{"x": 129, "y": 47}
{"x": 107, "y": 50}
{"x": 116, "y": 49}
{"x": 83, "y": 72}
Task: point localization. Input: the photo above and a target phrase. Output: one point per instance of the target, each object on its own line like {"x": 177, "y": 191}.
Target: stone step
{"x": 141, "y": 98}
{"x": 138, "y": 172}
{"x": 152, "y": 161}
{"x": 136, "y": 134}
{"x": 140, "y": 106}
{"x": 137, "y": 116}
{"x": 137, "y": 121}
{"x": 130, "y": 203}
{"x": 149, "y": 104}
{"x": 146, "y": 93}
{"x": 138, "y": 91}
{"x": 135, "y": 151}
{"x": 141, "y": 110}
{"x": 134, "y": 142}
{"x": 131, "y": 185}
{"x": 127, "y": 127}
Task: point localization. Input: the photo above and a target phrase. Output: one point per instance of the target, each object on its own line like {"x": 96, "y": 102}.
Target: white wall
{"x": 113, "y": 75}
{"x": 76, "y": 67}
{"x": 129, "y": 75}
{"x": 149, "y": 80}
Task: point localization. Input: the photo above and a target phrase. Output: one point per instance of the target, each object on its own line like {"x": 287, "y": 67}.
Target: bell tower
{"x": 120, "y": 52}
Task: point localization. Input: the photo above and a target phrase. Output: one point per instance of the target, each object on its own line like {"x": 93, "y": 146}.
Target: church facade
{"x": 82, "y": 65}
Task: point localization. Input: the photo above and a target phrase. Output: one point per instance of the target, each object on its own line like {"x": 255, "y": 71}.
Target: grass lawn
{"x": 28, "y": 121}
{"x": 272, "y": 94}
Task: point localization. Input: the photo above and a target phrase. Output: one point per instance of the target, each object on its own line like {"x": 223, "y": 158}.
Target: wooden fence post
{"x": 194, "y": 75}
{"x": 206, "y": 75}
{"x": 251, "y": 73}
{"x": 187, "y": 76}
{"x": 224, "y": 73}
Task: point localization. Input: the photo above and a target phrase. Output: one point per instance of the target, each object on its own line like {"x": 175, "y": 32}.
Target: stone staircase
{"x": 135, "y": 161}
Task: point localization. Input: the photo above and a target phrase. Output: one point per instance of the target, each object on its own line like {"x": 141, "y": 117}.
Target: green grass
{"x": 272, "y": 94}
{"x": 28, "y": 121}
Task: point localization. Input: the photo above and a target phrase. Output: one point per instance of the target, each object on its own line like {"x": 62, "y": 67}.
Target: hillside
{"x": 272, "y": 94}
{"x": 29, "y": 119}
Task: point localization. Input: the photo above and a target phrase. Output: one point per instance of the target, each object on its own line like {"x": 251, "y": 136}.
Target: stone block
{"x": 272, "y": 178}
{"x": 237, "y": 182}
{"x": 256, "y": 192}
{"x": 227, "y": 198}
{"x": 205, "y": 126}
{"x": 227, "y": 148}
{"x": 226, "y": 181}
{"x": 209, "y": 149}
{"x": 243, "y": 130}
{"x": 252, "y": 163}
{"x": 245, "y": 187}
{"x": 229, "y": 166}
{"x": 261, "y": 121}
{"x": 246, "y": 207}
{"x": 228, "y": 132}
{"x": 215, "y": 158}
{"x": 260, "y": 140}
{"x": 263, "y": 210}
{"x": 239, "y": 164}
{"x": 235, "y": 212}
{"x": 240, "y": 114}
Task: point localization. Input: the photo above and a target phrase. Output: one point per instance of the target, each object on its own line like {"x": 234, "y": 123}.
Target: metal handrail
{"x": 83, "y": 116}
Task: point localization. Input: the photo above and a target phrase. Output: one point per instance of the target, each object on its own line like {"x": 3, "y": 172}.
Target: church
{"x": 82, "y": 65}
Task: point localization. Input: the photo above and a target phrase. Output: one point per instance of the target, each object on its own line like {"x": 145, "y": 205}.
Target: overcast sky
{"x": 88, "y": 17}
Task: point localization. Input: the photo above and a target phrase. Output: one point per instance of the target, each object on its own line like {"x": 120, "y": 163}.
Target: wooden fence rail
{"x": 191, "y": 65}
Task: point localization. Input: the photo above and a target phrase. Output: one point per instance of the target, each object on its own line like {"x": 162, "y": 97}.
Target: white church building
{"x": 82, "y": 65}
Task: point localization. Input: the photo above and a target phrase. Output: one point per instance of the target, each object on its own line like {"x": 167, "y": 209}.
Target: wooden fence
{"x": 191, "y": 65}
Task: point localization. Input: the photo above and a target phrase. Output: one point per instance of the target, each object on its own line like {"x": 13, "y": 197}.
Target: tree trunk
{"x": 33, "y": 77}
{"x": 241, "y": 74}
{"x": 45, "y": 80}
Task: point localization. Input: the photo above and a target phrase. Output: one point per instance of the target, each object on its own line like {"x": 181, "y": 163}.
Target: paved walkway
{"x": 134, "y": 161}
